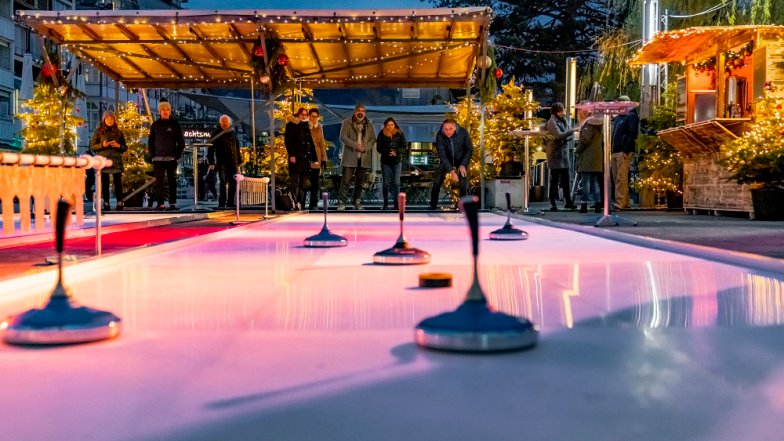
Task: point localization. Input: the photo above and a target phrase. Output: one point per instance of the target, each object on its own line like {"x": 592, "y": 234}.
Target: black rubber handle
{"x": 401, "y": 203}
{"x": 471, "y": 209}
{"x": 63, "y": 211}
{"x": 324, "y": 198}
{"x": 508, "y": 201}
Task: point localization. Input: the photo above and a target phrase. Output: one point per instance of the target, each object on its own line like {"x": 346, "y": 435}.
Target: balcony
{"x": 6, "y": 79}
{"x": 6, "y": 29}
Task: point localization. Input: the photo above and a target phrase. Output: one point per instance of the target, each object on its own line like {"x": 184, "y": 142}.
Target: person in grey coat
{"x": 590, "y": 161}
{"x": 358, "y": 136}
{"x": 557, "y": 157}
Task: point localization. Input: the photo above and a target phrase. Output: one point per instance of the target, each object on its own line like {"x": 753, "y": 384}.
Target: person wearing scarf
{"x": 319, "y": 160}
{"x": 391, "y": 145}
{"x": 557, "y": 157}
{"x": 358, "y": 137}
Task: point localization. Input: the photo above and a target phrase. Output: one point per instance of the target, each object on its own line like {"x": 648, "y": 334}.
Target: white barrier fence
{"x": 43, "y": 180}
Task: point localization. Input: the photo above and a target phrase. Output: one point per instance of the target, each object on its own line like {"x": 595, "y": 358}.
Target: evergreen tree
{"x": 132, "y": 124}
{"x": 42, "y": 127}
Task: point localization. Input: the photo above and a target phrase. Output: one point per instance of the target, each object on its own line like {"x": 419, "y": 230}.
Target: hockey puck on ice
{"x": 435, "y": 280}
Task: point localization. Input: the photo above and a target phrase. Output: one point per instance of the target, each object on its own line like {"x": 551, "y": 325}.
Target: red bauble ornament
{"x": 48, "y": 72}
{"x": 79, "y": 124}
{"x": 747, "y": 53}
{"x": 498, "y": 72}
{"x": 78, "y": 111}
{"x": 259, "y": 51}
{"x": 778, "y": 107}
{"x": 283, "y": 59}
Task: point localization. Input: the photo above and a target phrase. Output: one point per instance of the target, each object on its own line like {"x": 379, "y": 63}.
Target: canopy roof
{"x": 693, "y": 45}
{"x": 326, "y": 49}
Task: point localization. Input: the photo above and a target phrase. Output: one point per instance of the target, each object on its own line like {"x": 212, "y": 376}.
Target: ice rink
{"x": 251, "y": 336}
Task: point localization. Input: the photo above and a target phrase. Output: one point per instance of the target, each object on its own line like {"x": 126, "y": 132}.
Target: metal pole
{"x": 196, "y": 178}
{"x": 253, "y": 118}
{"x": 526, "y": 173}
{"x": 272, "y": 150}
{"x": 607, "y": 140}
{"x": 481, "y": 159}
{"x": 98, "y": 205}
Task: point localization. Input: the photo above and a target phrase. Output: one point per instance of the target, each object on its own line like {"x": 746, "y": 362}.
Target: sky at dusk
{"x": 307, "y": 4}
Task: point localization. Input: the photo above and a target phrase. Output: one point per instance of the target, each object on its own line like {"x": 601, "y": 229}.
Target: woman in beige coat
{"x": 317, "y": 133}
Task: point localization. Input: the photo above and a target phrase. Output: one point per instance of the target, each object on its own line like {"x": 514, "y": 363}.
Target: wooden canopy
{"x": 693, "y": 45}
{"x": 705, "y": 137}
{"x": 327, "y": 49}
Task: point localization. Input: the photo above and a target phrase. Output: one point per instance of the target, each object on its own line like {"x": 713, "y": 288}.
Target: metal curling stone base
{"x": 508, "y": 233}
{"x": 60, "y": 322}
{"x": 473, "y": 327}
{"x": 399, "y": 255}
{"x": 325, "y": 239}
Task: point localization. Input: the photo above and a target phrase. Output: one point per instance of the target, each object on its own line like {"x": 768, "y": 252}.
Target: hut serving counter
{"x": 726, "y": 71}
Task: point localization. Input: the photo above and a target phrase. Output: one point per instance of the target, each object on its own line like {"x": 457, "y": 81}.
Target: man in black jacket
{"x": 454, "y": 150}
{"x": 166, "y": 144}
{"x": 299, "y": 145}
{"x": 224, "y": 153}
{"x": 624, "y": 138}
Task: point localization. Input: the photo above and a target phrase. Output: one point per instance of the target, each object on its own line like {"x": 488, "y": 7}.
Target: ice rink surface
{"x": 251, "y": 336}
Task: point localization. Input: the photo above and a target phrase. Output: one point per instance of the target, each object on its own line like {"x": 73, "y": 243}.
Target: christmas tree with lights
{"x": 757, "y": 157}
{"x": 509, "y": 110}
{"x": 51, "y": 106}
{"x": 132, "y": 124}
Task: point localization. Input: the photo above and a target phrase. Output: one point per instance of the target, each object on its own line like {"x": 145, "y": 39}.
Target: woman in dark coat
{"x": 109, "y": 142}
{"x": 557, "y": 159}
{"x": 391, "y": 146}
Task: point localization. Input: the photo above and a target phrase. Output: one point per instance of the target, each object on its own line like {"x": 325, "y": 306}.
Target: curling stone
{"x": 473, "y": 327}
{"x": 508, "y": 232}
{"x": 61, "y": 320}
{"x": 402, "y": 253}
{"x": 325, "y": 238}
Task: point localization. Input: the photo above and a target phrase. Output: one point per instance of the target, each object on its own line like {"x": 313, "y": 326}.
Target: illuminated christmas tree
{"x": 757, "y": 157}
{"x": 660, "y": 164}
{"x": 42, "y": 127}
{"x": 131, "y": 122}
{"x": 51, "y": 106}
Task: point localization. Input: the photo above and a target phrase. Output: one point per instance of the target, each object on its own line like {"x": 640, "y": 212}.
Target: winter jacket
{"x": 349, "y": 136}
{"x": 625, "y": 130}
{"x": 115, "y": 154}
{"x": 556, "y": 146}
{"x": 386, "y": 144}
{"x": 317, "y": 134}
{"x": 455, "y": 151}
{"x": 225, "y": 149}
{"x": 589, "y": 147}
{"x": 166, "y": 141}
{"x": 299, "y": 144}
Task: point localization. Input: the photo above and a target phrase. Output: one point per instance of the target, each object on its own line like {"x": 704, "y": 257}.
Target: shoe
{"x": 385, "y": 207}
{"x": 598, "y": 208}
{"x": 341, "y": 206}
{"x": 584, "y": 208}
{"x": 312, "y": 207}
{"x": 160, "y": 208}
{"x": 357, "y": 204}
{"x": 570, "y": 207}
{"x": 119, "y": 206}
{"x": 396, "y": 207}
{"x": 172, "y": 207}
{"x": 434, "y": 207}
{"x": 616, "y": 207}
{"x": 106, "y": 207}
{"x": 553, "y": 208}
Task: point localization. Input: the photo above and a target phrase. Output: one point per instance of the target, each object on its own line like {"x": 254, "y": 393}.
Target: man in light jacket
{"x": 358, "y": 136}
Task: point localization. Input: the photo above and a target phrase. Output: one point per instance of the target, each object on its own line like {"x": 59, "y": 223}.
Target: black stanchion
{"x": 508, "y": 232}
{"x": 401, "y": 253}
{"x": 325, "y": 238}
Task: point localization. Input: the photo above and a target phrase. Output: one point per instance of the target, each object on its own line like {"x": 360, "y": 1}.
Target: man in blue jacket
{"x": 454, "y": 150}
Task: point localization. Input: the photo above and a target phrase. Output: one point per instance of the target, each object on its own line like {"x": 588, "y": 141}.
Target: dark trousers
{"x": 89, "y": 182}
{"x": 226, "y": 175}
{"x": 390, "y": 179}
{"x": 165, "y": 173}
{"x": 314, "y": 188}
{"x": 560, "y": 175}
{"x": 297, "y": 185}
{"x": 117, "y": 177}
{"x": 439, "y": 180}
{"x": 349, "y": 173}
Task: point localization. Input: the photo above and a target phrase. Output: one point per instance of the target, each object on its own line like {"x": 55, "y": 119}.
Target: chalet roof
{"x": 696, "y": 44}
{"x": 326, "y": 49}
